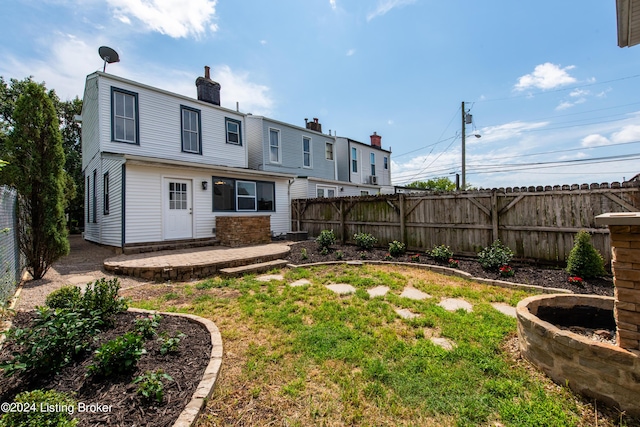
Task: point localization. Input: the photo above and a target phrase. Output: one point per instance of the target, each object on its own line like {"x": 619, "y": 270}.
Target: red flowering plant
{"x": 507, "y": 271}
{"x": 414, "y": 258}
{"x": 388, "y": 257}
{"x": 454, "y": 263}
{"x": 575, "y": 280}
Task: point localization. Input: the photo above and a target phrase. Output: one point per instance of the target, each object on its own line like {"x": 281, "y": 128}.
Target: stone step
{"x": 253, "y": 268}
{"x": 169, "y": 245}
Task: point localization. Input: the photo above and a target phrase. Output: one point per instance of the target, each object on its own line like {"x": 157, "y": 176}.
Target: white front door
{"x": 178, "y": 209}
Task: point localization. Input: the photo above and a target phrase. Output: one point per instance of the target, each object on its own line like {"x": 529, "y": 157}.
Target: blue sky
{"x": 545, "y": 80}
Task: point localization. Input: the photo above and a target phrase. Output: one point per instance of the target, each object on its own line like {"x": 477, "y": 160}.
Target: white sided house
{"x": 161, "y": 167}
{"x": 368, "y": 166}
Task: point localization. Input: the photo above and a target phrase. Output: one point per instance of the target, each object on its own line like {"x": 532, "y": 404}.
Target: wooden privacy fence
{"x": 537, "y": 223}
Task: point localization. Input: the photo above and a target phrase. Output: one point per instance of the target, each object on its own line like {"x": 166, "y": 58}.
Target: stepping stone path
{"x": 270, "y": 277}
{"x": 301, "y": 282}
{"x": 504, "y": 308}
{"x": 453, "y": 304}
{"x": 341, "y": 288}
{"x": 405, "y": 313}
{"x": 413, "y": 293}
{"x": 378, "y": 291}
{"x": 443, "y": 342}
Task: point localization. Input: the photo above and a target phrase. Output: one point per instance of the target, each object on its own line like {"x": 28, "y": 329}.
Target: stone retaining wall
{"x": 598, "y": 370}
{"x": 234, "y": 231}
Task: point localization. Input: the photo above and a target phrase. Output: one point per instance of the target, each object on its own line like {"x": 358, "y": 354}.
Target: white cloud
{"x": 594, "y": 140}
{"x": 390, "y": 122}
{"x": 578, "y": 93}
{"x": 175, "y": 18}
{"x": 69, "y": 61}
{"x": 627, "y": 134}
{"x": 508, "y": 130}
{"x": 350, "y": 52}
{"x": 546, "y": 76}
{"x": 237, "y": 87}
{"x": 385, "y": 6}
{"x": 333, "y": 4}
{"x": 263, "y": 42}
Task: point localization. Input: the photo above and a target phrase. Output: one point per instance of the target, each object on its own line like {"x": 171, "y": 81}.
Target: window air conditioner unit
{"x": 373, "y": 179}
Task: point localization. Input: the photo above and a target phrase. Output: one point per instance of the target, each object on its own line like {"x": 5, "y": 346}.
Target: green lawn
{"x": 301, "y": 356}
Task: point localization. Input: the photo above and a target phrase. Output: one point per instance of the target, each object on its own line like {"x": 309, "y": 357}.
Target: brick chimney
{"x": 208, "y": 90}
{"x": 376, "y": 140}
{"x": 314, "y": 125}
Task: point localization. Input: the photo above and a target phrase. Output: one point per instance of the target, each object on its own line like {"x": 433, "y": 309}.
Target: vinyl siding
{"x": 92, "y": 229}
{"x": 255, "y": 142}
{"x": 90, "y": 122}
{"x": 111, "y": 224}
{"x": 291, "y": 153}
{"x": 144, "y": 222}
{"x": 160, "y": 129}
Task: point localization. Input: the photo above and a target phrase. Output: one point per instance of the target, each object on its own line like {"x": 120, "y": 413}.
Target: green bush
{"x": 146, "y": 325}
{"x": 34, "y": 417}
{"x": 584, "y": 260}
{"x": 118, "y": 355}
{"x": 170, "y": 344}
{"x": 55, "y": 339}
{"x": 68, "y": 297}
{"x": 441, "y": 253}
{"x": 495, "y": 256}
{"x": 150, "y": 385}
{"x": 101, "y": 297}
{"x": 396, "y": 248}
{"x": 326, "y": 239}
{"x": 365, "y": 240}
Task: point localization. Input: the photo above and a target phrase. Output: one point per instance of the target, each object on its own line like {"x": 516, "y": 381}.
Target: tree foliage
{"x": 435, "y": 184}
{"x": 66, "y": 111}
{"x": 33, "y": 148}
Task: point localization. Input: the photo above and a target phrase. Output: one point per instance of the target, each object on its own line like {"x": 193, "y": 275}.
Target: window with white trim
{"x": 243, "y": 196}
{"x": 325, "y": 191}
{"x": 306, "y": 152}
{"x": 354, "y": 160}
{"x": 234, "y": 135}
{"x": 328, "y": 149}
{"x": 373, "y": 164}
{"x": 274, "y": 145}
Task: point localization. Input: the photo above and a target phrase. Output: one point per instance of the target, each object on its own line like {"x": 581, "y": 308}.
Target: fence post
{"x": 494, "y": 214}
{"x": 403, "y": 225}
{"x": 343, "y": 227}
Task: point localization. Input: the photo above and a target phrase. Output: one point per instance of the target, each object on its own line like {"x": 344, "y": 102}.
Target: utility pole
{"x": 464, "y": 132}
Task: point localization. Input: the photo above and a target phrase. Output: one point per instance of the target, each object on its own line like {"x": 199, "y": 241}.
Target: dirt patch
{"x": 524, "y": 273}
{"x": 126, "y": 408}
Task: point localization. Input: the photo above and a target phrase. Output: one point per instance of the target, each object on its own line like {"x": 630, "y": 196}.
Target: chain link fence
{"x": 11, "y": 261}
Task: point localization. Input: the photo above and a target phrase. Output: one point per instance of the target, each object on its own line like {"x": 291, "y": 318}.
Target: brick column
{"x": 624, "y": 231}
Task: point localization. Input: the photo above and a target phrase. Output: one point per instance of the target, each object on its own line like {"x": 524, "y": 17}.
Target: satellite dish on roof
{"x": 108, "y": 55}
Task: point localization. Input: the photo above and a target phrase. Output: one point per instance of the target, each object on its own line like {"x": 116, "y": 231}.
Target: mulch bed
{"x": 524, "y": 273}
{"x": 127, "y": 408}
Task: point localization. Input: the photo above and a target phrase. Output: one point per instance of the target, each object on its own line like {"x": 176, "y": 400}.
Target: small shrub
{"x": 495, "y": 256}
{"x": 339, "y": 255}
{"x": 102, "y": 296}
{"x": 146, "y": 325}
{"x": 150, "y": 385}
{"x": 388, "y": 257}
{"x": 326, "y": 238}
{"x": 55, "y": 339}
{"x": 324, "y": 251}
{"x": 575, "y": 280}
{"x": 396, "y": 248}
{"x": 118, "y": 355}
{"x": 365, "y": 241}
{"x": 441, "y": 253}
{"x": 33, "y": 402}
{"x": 506, "y": 271}
{"x": 68, "y": 297}
{"x": 453, "y": 263}
{"x": 304, "y": 254}
{"x": 584, "y": 260}
{"x": 170, "y": 344}
{"x": 363, "y": 255}
{"x": 414, "y": 258}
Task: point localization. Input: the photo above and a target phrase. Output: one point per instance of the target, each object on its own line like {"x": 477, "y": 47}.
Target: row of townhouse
{"x": 161, "y": 166}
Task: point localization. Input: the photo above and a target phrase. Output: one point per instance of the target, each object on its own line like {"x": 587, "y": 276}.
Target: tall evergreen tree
{"x": 36, "y": 169}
